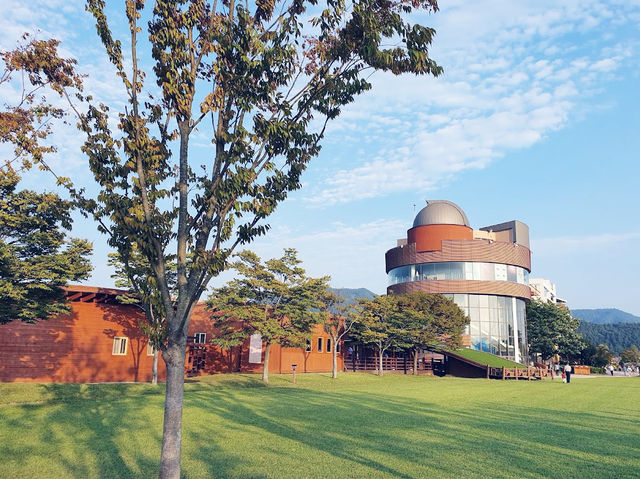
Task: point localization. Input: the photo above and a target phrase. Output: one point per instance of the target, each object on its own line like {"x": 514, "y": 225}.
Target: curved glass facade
{"x": 459, "y": 270}
{"x": 497, "y": 324}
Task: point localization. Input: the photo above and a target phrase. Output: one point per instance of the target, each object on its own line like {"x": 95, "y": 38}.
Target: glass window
{"x": 500, "y": 272}
{"x": 119, "y": 346}
{"x": 308, "y": 348}
{"x": 200, "y": 338}
{"x": 319, "y": 345}
{"x": 468, "y": 270}
{"x": 461, "y": 300}
{"x": 511, "y": 273}
{"x": 493, "y": 301}
{"x": 483, "y": 300}
{"x": 429, "y": 272}
{"x": 520, "y": 275}
{"x": 328, "y": 345}
{"x": 476, "y": 271}
{"x": 473, "y": 300}
{"x": 456, "y": 270}
{"x": 486, "y": 272}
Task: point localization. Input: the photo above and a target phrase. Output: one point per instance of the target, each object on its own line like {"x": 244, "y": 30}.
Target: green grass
{"x": 487, "y": 359}
{"x": 358, "y": 426}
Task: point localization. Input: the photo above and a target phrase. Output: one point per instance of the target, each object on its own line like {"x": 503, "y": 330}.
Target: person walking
{"x": 567, "y": 372}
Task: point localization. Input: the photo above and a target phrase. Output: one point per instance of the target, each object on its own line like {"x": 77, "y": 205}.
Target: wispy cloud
{"x": 514, "y": 73}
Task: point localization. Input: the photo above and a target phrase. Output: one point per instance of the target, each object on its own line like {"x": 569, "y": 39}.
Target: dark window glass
{"x": 319, "y": 345}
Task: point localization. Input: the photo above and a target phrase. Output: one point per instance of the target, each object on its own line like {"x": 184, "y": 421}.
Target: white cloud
{"x": 514, "y": 73}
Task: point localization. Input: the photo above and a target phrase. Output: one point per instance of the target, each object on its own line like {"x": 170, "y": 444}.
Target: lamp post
{"x": 293, "y": 368}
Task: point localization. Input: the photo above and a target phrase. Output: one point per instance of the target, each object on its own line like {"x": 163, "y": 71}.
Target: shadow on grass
{"x": 395, "y": 437}
{"x": 240, "y": 428}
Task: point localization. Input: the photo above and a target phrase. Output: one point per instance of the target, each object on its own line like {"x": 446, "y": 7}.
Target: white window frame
{"x": 120, "y": 343}
{"x": 151, "y": 349}
{"x": 198, "y": 337}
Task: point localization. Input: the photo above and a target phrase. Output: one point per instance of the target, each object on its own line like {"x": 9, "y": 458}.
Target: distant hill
{"x": 604, "y": 316}
{"x": 351, "y": 295}
{"x": 617, "y": 336}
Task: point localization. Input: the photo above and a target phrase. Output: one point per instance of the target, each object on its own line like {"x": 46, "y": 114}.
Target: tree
{"x": 337, "y": 321}
{"x": 36, "y": 258}
{"x": 430, "y": 320}
{"x": 377, "y": 324}
{"x": 269, "y": 88}
{"x": 630, "y": 355}
{"x": 552, "y": 330}
{"x": 132, "y": 271}
{"x": 602, "y": 356}
{"x": 274, "y": 299}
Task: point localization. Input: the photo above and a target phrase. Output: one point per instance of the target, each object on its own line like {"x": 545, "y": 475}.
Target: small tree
{"x": 630, "y": 355}
{"x": 36, "y": 258}
{"x": 274, "y": 299}
{"x": 376, "y": 324}
{"x": 552, "y": 330}
{"x": 430, "y": 320}
{"x": 602, "y": 356}
{"x": 337, "y": 321}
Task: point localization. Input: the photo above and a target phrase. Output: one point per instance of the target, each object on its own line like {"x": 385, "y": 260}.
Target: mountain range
{"x": 604, "y": 316}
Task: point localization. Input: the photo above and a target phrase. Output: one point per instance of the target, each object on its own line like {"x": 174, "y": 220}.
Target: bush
{"x": 597, "y": 370}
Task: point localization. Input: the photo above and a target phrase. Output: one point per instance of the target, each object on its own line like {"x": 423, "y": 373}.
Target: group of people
{"x": 627, "y": 370}
{"x": 566, "y": 372}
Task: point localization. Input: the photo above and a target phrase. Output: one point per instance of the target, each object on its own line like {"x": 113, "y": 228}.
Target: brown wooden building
{"x": 100, "y": 341}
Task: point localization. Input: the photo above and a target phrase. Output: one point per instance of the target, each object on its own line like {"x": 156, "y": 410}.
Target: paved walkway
{"x": 616, "y": 374}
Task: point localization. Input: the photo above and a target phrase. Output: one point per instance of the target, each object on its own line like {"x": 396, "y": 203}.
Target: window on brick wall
{"x": 308, "y": 346}
{"x": 201, "y": 338}
{"x": 328, "y": 345}
{"x": 319, "y": 345}
{"x": 119, "y": 346}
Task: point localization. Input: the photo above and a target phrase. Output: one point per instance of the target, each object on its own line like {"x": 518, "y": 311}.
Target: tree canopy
{"x": 552, "y": 330}
{"x": 411, "y": 322}
{"x": 37, "y": 258}
{"x": 275, "y": 299}
{"x": 260, "y": 81}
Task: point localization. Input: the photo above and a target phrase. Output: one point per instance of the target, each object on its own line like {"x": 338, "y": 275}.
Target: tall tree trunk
{"x": 334, "y": 365}
{"x": 380, "y": 362}
{"x": 415, "y": 362}
{"x": 174, "y": 358}
{"x": 154, "y": 368}
{"x": 265, "y": 367}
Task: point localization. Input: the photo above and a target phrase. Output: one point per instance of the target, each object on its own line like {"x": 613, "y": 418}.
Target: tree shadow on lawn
{"x": 89, "y": 432}
{"x": 383, "y": 436}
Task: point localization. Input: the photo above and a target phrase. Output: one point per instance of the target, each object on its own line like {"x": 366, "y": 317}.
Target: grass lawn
{"x": 358, "y": 426}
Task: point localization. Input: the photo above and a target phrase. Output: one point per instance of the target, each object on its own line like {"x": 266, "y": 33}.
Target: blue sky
{"x": 535, "y": 118}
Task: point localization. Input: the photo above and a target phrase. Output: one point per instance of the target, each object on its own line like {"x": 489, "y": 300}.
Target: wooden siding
{"x": 477, "y": 250}
{"x": 78, "y": 347}
{"x": 501, "y": 288}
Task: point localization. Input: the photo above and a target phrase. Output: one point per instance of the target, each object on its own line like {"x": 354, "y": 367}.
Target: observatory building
{"x": 485, "y": 271}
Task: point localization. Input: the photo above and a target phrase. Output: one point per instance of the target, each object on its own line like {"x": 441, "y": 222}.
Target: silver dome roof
{"x": 441, "y": 212}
